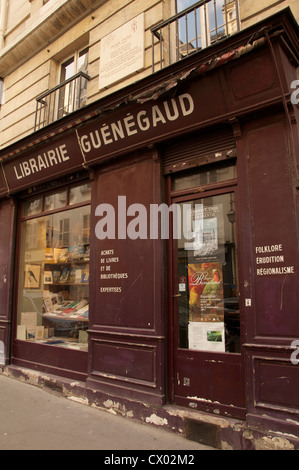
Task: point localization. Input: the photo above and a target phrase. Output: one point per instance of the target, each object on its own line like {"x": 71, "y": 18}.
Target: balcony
{"x": 195, "y": 28}
{"x": 60, "y": 101}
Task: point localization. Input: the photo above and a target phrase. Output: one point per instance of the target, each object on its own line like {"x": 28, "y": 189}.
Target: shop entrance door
{"x": 205, "y": 303}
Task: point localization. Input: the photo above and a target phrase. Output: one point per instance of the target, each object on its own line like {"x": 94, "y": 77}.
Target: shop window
{"x": 53, "y": 291}
{"x": 55, "y": 201}
{"x": 32, "y": 207}
{"x": 79, "y": 194}
{"x": 207, "y": 268}
{"x": 208, "y": 175}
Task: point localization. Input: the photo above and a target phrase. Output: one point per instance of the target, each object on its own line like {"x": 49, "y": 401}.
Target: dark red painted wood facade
{"x": 131, "y": 351}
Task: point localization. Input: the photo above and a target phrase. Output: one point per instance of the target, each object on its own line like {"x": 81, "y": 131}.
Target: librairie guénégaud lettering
{"x": 50, "y": 158}
{"x": 110, "y": 132}
{"x": 137, "y": 123}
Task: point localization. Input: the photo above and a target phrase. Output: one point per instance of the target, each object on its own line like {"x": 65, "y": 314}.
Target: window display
{"x": 53, "y": 292}
{"x": 209, "y": 316}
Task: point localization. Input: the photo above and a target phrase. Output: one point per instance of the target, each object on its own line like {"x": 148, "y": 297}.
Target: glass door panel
{"x": 207, "y": 276}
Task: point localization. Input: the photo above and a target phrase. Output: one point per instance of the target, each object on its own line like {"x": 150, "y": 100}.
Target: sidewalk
{"x": 34, "y": 419}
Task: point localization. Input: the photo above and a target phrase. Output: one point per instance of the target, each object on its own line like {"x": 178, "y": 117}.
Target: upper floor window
{"x": 206, "y": 23}
{"x": 195, "y": 26}
{"x": 182, "y": 4}
{"x": 69, "y": 95}
{"x": 73, "y": 95}
{"x": 77, "y": 63}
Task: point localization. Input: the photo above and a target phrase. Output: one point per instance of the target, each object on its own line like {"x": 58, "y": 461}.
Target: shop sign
{"x": 126, "y": 128}
{"x": 49, "y": 161}
{"x": 106, "y": 137}
{"x": 109, "y": 272}
{"x": 134, "y": 127}
{"x": 271, "y": 260}
{"x": 148, "y": 120}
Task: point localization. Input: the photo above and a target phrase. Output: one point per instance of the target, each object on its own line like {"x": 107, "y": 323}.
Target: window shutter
{"x": 198, "y": 149}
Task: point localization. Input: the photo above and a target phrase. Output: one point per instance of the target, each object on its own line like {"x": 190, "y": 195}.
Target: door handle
{"x": 177, "y": 295}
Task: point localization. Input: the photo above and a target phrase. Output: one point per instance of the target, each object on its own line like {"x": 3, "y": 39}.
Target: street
{"x": 35, "y": 419}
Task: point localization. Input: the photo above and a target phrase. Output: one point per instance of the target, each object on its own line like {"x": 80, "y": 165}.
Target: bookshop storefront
{"x": 53, "y": 266}
{"x": 150, "y": 252}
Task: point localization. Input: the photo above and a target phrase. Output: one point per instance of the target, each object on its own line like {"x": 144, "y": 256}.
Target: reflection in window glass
{"x": 55, "y": 201}
{"x": 80, "y": 194}
{"x": 83, "y": 61}
{"x": 82, "y": 86}
{"x": 67, "y": 69}
{"x": 205, "y": 24}
{"x": 32, "y": 207}
{"x": 182, "y": 4}
{"x": 73, "y": 94}
{"x": 53, "y": 294}
{"x": 209, "y": 316}
{"x": 212, "y": 174}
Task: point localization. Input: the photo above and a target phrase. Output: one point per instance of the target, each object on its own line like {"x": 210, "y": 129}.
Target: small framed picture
{"x": 31, "y": 332}
{"x": 48, "y": 277}
{"x": 60, "y": 298}
{"x": 54, "y": 300}
{"x": 32, "y": 276}
{"x": 48, "y": 304}
{"x": 39, "y": 332}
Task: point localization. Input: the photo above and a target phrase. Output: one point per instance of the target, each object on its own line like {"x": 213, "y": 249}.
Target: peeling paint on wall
{"x": 154, "y": 419}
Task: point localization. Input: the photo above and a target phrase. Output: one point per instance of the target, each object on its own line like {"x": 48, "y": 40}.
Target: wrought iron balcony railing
{"x": 195, "y": 28}
{"x": 61, "y": 100}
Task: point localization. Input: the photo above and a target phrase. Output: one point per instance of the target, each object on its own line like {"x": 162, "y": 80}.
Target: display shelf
{"x": 53, "y": 298}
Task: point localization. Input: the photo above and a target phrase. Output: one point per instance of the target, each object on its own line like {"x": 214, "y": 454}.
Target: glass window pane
{"x": 83, "y": 61}
{"x": 212, "y": 174}
{"x": 81, "y": 95}
{"x": 209, "y": 316}
{"x": 67, "y": 69}
{"x": 55, "y": 201}
{"x": 206, "y": 24}
{"x": 80, "y": 193}
{"x": 182, "y": 4}
{"x": 32, "y": 207}
{"x": 53, "y": 296}
{"x": 65, "y": 94}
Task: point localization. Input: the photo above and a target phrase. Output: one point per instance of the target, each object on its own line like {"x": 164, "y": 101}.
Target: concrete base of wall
{"x": 214, "y": 431}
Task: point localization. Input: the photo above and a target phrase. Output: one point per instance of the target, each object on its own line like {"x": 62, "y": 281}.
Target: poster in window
{"x": 209, "y": 235}
{"x": 206, "y": 336}
{"x": 32, "y": 276}
{"x": 205, "y": 292}
{"x": 208, "y": 232}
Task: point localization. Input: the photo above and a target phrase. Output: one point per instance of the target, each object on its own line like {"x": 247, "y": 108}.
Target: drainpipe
{"x": 3, "y": 15}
